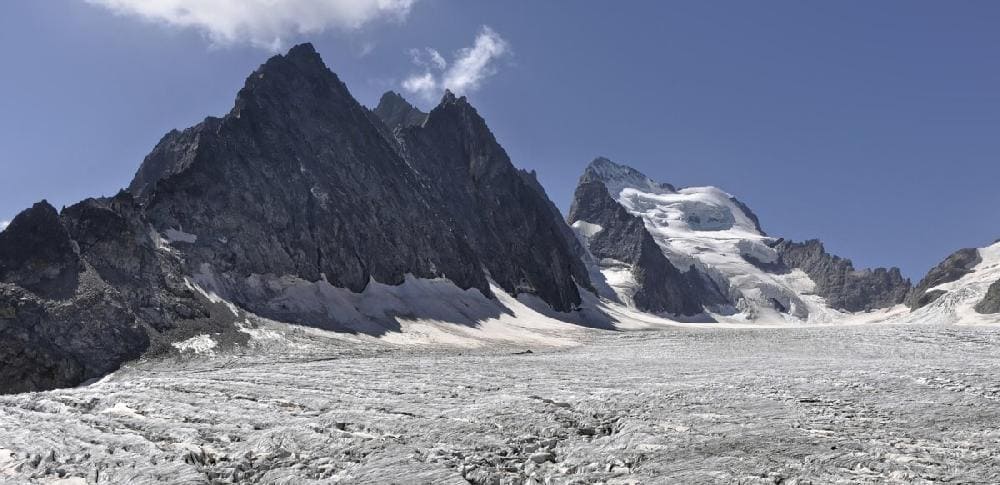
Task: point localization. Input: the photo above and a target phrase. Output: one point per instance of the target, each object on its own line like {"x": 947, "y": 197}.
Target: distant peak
{"x": 44, "y": 206}
{"x": 298, "y": 79}
{"x": 303, "y": 56}
{"x": 457, "y": 107}
{"x": 394, "y": 100}
{"x": 450, "y": 99}
{"x": 304, "y": 49}
{"x": 617, "y": 177}
{"x": 392, "y": 96}
{"x": 395, "y": 111}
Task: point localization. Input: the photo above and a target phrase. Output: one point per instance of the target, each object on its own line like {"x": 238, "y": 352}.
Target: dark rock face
{"x": 126, "y": 299}
{"x": 46, "y": 344}
{"x": 37, "y": 254}
{"x": 955, "y": 266}
{"x": 623, "y": 237}
{"x": 572, "y": 242}
{"x": 991, "y": 302}
{"x": 516, "y": 233}
{"x": 843, "y": 287}
{"x": 118, "y": 243}
{"x": 396, "y": 112}
{"x": 299, "y": 179}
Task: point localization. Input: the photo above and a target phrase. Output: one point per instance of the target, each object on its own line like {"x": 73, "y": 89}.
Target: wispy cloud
{"x": 467, "y": 71}
{"x": 268, "y": 24}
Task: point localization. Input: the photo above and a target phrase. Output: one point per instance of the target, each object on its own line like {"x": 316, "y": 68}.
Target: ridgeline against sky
{"x": 871, "y": 127}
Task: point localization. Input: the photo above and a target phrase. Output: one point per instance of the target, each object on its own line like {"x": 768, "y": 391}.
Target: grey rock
{"x": 37, "y": 254}
{"x": 396, "y": 112}
{"x": 543, "y": 457}
{"x": 843, "y": 287}
{"x": 955, "y": 266}
{"x": 517, "y": 234}
{"x": 991, "y": 302}
{"x": 46, "y": 344}
{"x": 127, "y": 299}
{"x": 623, "y": 237}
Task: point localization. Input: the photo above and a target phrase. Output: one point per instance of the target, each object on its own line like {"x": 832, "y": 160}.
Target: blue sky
{"x": 874, "y": 126}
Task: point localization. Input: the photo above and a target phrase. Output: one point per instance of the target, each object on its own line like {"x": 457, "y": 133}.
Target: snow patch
{"x": 587, "y": 229}
{"x": 200, "y": 344}
{"x": 123, "y": 409}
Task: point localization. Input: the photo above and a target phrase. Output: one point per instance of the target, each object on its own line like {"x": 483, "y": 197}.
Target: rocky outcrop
{"x": 620, "y": 236}
{"x": 396, "y": 112}
{"x": 46, "y": 344}
{"x": 103, "y": 294}
{"x": 843, "y": 287}
{"x": 955, "y": 266}
{"x": 615, "y": 177}
{"x": 36, "y": 253}
{"x": 991, "y": 302}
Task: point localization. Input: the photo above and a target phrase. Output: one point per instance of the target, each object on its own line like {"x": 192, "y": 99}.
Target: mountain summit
{"x": 643, "y": 232}
{"x": 299, "y": 189}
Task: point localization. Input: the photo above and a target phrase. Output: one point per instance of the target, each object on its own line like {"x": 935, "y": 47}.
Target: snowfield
{"x": 684, "y": 404}
{"x": 958, "y": 302}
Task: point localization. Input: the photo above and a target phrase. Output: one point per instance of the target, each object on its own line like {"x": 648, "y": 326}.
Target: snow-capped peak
{"x": 618, "y": 177}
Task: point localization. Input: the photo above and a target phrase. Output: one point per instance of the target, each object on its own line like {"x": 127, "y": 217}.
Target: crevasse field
{"x": 675, "y": 404}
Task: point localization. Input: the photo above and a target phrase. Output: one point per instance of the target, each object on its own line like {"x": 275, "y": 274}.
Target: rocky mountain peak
{"x": 617, "y": 177}
{"x": 396, "y": 112}
{"x": 449, "y": 97}
{"x": 298, "y": 82}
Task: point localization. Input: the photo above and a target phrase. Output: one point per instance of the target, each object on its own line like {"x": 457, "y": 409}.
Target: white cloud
{"x": 4, "y": 224}
{"x": 469, "y": 68}
{"x": 421, "y": 83}
{"x": 428, "y": 58}
{"x": 263, "y": 23}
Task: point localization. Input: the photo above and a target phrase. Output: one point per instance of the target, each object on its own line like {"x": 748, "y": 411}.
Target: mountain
{"x": 731, "y": 266}
{"x": 313, "y": 190}
{"x": 302, "y": 206}
{"x": 964, "y": 287}
{"x": 298, "y": 190}
{"x": 629, "y": 257}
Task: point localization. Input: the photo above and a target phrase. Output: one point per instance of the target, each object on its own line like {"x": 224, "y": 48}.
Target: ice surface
{"x": 819, "y": 404}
